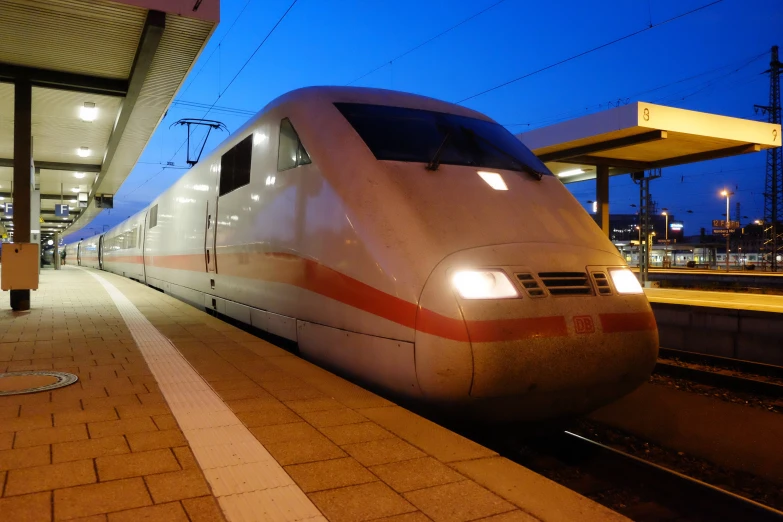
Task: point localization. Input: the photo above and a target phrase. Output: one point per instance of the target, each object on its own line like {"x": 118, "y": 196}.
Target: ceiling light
{"x": 493, "y": 179}
{"x": 83, "y": 152}
{"x": 79, "y": 175}
{"x": 568, "y": 173}
{"x": 88, "y": 112}
{"x": 74, "y": 190}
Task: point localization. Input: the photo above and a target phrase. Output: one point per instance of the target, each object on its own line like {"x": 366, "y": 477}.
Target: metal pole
{"x": 639, "y": 253}
{"x": 666, "y": 236}
{"x": 642, "y": 233}
{"x": 728, "y": 231}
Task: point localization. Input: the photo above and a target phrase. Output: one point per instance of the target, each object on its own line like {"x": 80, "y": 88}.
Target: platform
{"x": 728, "y": 324}
{"x": 180, "y": 416}
{"x": 727, "y": 300}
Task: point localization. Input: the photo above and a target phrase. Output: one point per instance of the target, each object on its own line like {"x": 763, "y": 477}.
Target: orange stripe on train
{"x": 310, "y": 275}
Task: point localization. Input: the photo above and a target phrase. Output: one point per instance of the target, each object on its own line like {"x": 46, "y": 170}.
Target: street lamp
{"x": 666, "y": 247}
{"x": 727, "y": 194}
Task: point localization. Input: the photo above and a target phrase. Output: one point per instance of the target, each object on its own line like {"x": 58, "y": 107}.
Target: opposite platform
{"x": 180, "y": 416}
{"x": 707, "y": 299}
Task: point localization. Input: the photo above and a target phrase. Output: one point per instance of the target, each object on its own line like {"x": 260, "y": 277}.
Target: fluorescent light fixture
{"x": 625, "y": 281}
{"x": 595, "y": 207}
{"x": 483, "y": 284}
{"x": 88, "y": 111}
{"x": 201, "y": 188}
{"x": 79, "y": 175}
{"x": 493, "y": 179}
{"x": 569, "y": 173}
{"x": 74, "y": 190}
{"x": 83, "y": 152}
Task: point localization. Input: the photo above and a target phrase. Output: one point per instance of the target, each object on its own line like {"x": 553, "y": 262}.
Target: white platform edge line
{"x": 282, "y": 500}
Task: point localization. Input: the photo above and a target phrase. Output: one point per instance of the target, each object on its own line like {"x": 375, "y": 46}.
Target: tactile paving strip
{"x": 247, "y": 481}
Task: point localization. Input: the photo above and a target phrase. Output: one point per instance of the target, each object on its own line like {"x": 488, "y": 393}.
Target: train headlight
{"x": 483, "y": 284}
{"x": 625, "y": 281}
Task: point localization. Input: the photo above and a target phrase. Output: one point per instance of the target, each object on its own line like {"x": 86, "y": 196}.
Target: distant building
{"x": 625, "y": 228}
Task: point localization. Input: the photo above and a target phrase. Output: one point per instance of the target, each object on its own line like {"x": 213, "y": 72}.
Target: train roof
{"x": 333, "y": 94}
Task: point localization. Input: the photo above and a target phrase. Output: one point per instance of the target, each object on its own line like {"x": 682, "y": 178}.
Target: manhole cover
{"x": 14, "y": 383}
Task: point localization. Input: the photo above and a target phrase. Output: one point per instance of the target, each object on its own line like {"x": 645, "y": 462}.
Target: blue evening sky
{"x": 711, "y": 61}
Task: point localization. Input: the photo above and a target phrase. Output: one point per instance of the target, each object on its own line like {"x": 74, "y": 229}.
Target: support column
{"x": 602, "y": 197}
{"x": 23, "y": 158}
{"x": 56, "y": 251}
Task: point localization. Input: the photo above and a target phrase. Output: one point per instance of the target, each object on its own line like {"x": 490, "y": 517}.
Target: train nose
{"x": 566, "y": 344}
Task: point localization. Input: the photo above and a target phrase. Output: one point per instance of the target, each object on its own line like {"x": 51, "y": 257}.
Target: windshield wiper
{"x": 435, "y": 161}
{"x": 474, "y": 135}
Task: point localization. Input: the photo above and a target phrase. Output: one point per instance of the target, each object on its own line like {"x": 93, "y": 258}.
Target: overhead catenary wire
{"x": 422, "y": 44}
{"x": 212, "y": 106}
{"x": 574, "y": 112}
{"x": 589, "y": 51}
{"x": 217, "y": 47}
{"x": 216, "y": 108}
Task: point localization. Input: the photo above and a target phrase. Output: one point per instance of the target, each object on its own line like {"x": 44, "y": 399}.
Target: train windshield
{"x": 402, "y": 134}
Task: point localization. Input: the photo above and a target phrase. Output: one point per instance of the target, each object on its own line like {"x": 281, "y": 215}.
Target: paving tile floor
{"x": 109, "y": 446}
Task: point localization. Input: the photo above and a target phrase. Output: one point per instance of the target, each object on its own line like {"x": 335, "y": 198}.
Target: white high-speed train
{"x": 407, "y": 242}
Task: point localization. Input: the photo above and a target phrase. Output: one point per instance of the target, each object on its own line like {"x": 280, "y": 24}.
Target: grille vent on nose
{"x": 566, "y": 283}
{"x": 602, "y": 283}
{"x": 530, "y": 285}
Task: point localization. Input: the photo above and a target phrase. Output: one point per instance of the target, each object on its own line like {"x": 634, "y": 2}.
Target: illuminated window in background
{"x": 291, "y": 153}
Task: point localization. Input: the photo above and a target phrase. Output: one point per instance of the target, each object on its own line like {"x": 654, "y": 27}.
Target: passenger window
{"x": 290, "y": 153}
{"x": 154, "y": 216}
{"x": 235, "y": 166}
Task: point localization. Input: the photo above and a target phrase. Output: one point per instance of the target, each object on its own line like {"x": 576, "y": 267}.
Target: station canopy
{"x": 120, "y": 62}
{"x": 642, "y": 136}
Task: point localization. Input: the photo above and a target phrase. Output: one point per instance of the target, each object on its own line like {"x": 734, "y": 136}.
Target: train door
{"x": 142, "y": 241}
{"x": 210, "y": 237}
{"x": 100, "y": 252}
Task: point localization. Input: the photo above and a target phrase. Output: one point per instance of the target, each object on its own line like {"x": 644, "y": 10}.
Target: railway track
{"x": 756, "y": 378}
{"x": 658, "y": 492}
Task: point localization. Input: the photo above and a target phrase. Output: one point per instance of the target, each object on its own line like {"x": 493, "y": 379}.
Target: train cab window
{"x": 290, "y": 153}
{"x": 235, "y": 166}
{"x": 153, "y": 216}
{"x": 415, "y": 135}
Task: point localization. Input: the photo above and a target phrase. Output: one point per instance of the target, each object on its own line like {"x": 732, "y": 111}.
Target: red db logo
{"x": 583, "y": 324}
